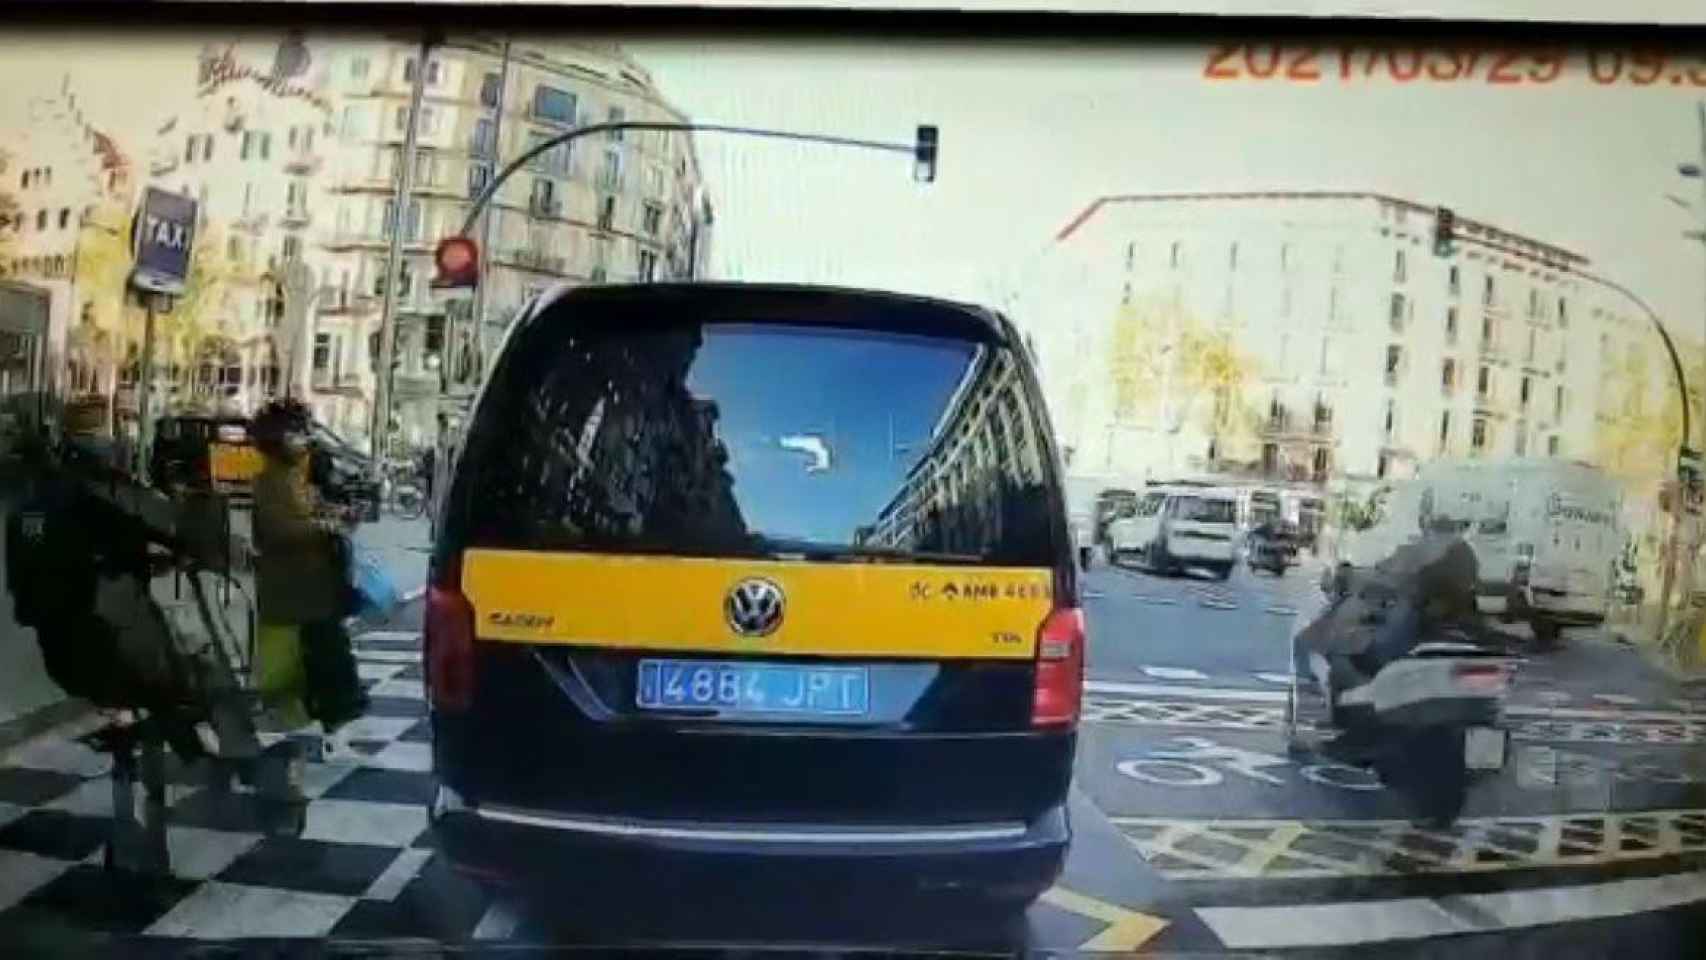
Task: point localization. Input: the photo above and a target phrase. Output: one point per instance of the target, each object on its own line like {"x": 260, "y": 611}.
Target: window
{"x": 490, "y": 85}
{"x": 322, "y": 351}
{"x": 549, "y": 103}
{"x": 554, "y": 161}
{"x": 1395, "y": 312}
{"x": 291, "y": 247}
{"x": 402, "y": 119}
{"x": 433, "y": 73}
{"x": 264, "y": 142}
{"x": 1558, "y": 402}
{"x": 1173, "y": 255}
{"x": 189, "y": 149}
{"x": 1444, "y": 431}
{"x": 1524, "y": 391}
{"x": 479, "y": 174}
{"x": 1478, "y": 434}
{"x": 652, "y": 219}
{"x": 1486, "y": 332}
{"x": 409, "y": 70}
{"x": 607, "y": 213}
{"x": 648, "y": 266}
{"x": 1487, "y": 292}
{"x": 542, "y": 202}
{"x": 405, "y": 280}
{"x": 1399, "y": 268}
{"x": 1232, "y": 256}
{"x": 1563, "y": 318}
{"x": 296, "y": 196}
{"x": 412, "y": 222}
{"x": 1528, "y": 352}
{"x": 610, "y": 174}
{"x": 426, "y": 167}
{"x": 358, "y": 68}
{"x": 1391, "y": 421}
{"x": 1533, "y": 301}
{"x": 347, "y": 127}
{"x": 1285, "y": 256}
{"x": 617, "y": 115}
{"x": 41, "y": 219}
{"x": 1319, "y": 466}
{"x": 1448, "y": 375}
{"x": 64, "y": 217}
{"x": 485, "y": 138}
{"x": 1553, "y": 448}
{"x": 1454, "y": 281}
{"x": 388, "y": 219}
{"x": 1383, "y": 465}
{"x": 1484, "y": 383}
{"x": 1450, "y": 324}
{"x": 1394, "y": 362}
{"x": 247, "y": 146}
{"x": 234, "y": 248}
{"x": 429, "y": 119}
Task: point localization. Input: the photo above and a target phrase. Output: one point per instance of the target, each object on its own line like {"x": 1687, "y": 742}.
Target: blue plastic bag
{"x": 376, "y": 592}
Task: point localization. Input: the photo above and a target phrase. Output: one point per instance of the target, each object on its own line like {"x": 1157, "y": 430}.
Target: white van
{"x": 1545, "y": 533}
{"x": 1174, "y": 528}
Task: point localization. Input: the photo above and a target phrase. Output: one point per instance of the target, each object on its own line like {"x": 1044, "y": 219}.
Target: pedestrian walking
{"x": 306, "y": 670}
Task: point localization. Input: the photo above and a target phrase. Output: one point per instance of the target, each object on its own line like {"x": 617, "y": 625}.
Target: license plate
{"x": 746, "y": 687}
{"x": 1484, "y": 748}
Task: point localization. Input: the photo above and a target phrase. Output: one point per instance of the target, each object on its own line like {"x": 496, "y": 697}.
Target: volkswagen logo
{"x": 754, "y": 607}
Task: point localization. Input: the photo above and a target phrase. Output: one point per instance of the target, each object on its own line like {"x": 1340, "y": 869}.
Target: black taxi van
{"x": 739, "y": 571}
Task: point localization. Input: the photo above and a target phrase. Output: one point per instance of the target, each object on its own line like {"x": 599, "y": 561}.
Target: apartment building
{"x": 619, "y": 207}
{"x": 1339, "y": 343}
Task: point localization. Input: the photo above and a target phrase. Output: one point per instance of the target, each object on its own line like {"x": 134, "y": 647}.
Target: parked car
{"x": 676, "y": 624}
{"x": 1175, "y": 528}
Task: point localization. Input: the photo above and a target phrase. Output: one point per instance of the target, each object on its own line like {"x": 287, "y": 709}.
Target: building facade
{"x": 1311, "y": 337}
{"x": 291, "y": 149}
{"x": 64, "y": 185}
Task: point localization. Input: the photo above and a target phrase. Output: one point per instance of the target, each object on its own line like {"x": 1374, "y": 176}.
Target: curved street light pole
{"x": 1673, "y": 544}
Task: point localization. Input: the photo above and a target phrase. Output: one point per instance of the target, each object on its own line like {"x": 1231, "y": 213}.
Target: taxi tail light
{"x": 1059, "y": 690}
{"x": 449, "y": 643}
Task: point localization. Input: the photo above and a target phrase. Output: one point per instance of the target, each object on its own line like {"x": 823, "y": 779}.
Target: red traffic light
{"x": 458, "y": 262}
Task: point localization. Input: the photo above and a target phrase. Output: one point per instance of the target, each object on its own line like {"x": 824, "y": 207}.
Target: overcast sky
{"x": 1032, "y": 132}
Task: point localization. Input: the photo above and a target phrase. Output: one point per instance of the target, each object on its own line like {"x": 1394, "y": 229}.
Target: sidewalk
{"x": 403, "y": 546}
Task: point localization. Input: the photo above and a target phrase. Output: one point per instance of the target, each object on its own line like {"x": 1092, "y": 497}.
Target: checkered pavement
{"x": 364, "y": 866}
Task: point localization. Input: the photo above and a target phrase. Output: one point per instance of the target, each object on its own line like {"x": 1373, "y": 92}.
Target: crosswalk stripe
{"x": 1174, "y": 673}
{"x": 1408, "y": 918}
{"x": 1193, "y": 693}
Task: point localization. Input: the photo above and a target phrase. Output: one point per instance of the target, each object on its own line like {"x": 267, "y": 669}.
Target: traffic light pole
{"x": 923, "y": 150}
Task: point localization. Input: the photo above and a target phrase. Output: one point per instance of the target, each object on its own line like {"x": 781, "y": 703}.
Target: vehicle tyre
{"x": 1157, "y": 560}
{"x": 1432, "y": 776}
{"x": 1224, "y": 571}
{"x": 1084, "y": 555}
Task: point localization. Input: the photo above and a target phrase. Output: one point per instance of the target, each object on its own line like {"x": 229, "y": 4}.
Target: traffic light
{"x": 458, "y": 262}
{"x": 924, "y": 154}
{"x": 1445, "y": 230}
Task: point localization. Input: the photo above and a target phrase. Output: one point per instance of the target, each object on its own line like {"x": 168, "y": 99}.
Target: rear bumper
{"x": 518, "y": 847}
{"x": 1201, "y": 551}
{"x": 1540, "y": 602}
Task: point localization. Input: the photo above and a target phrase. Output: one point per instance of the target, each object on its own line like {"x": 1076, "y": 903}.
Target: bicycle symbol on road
{"x": 1200, "y": 762}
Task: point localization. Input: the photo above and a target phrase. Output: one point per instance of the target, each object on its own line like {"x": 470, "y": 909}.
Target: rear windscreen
{"x": 1206, "y": 510}
{"x": 763, "y": 440}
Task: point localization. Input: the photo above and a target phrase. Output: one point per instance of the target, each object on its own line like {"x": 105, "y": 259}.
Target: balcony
{"x": 301, "y": 161}
{"x": 1492, "y": 350}
{"x": 544, "y": 207}
{"x": 295, "y": 218}
{"x": 353, "y": 240}
{"x": 251, "y": 223}
{"x": 535, "y": 260}
{"x": 163, "y": 165}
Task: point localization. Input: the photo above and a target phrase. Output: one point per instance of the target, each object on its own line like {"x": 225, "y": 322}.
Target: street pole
{"x": 145, "y": 390}
{"x": 379, "y": 440}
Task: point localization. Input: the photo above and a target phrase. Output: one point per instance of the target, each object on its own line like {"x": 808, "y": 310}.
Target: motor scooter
{"x": 1383, "y": 681}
